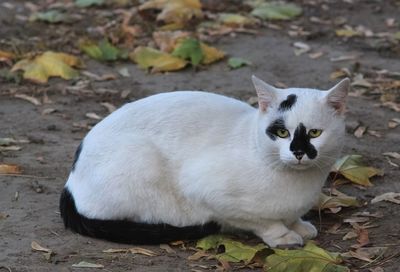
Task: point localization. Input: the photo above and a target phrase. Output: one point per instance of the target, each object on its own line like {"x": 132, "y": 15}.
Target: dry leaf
{"x": 35, "y": 246}
{"x": 198, "y": 255}
{"x": 394, "y": 155}
{"x": 48, "y": 64}
{"x": 143, "y": 251}
{"x": 336, "y": 200}
{"x": 316, "y": 55}
{"x": 84, "y": 264}
{"x": 28, "y": 98}
{"x": 167, "y": 248}
{"x": 390, "y": 196}
{"x": 359, "y": 132}
{"x": 110, "y": 107}
{"x": 352, "y": 168}
{"x": 350, "y": 235}
{"x": 174, "y": 11}
{"x": 363, "y": 238}
{"x": 374, "y": 133}
{"x": 167, "y": 40}
{"x": 10, "y": 169}
{"x": 301, "y": 48}
{"x": 211, "y": 54}
{"x": 93, "y": 115}
{"x": 10, "y": 148}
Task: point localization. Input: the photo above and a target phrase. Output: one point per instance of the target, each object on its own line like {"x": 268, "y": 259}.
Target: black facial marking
{"x": 301, "y": 143}
{"x": 273, "y": 128}
{"x": 288, "y": 103}
{"x": 77, "y": 153}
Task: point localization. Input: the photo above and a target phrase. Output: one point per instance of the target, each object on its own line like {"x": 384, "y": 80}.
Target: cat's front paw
{"x": 291, "y": 238}
{"x": 305, "y": 229}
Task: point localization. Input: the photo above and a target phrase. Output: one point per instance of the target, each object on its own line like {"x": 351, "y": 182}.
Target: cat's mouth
{"x": 298, "y": 165}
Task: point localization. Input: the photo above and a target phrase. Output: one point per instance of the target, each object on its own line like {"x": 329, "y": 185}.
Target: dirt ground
{"x": 29, "y": 205}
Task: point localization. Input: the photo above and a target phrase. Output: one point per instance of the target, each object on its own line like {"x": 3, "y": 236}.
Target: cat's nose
{"x": 298, "y": 154}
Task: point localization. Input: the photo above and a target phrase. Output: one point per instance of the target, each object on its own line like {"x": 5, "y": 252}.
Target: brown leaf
{"x": 10, "y": 169}
{"x": 93, "y": 115}
{"x": 390, "y": 196}
{"x": 350, "y": 235}
{"x": 28, "y": 98}
{"x": 36, "y": 247}
{"x": 363, "y": 237}
{"x": 167, "y": 40}
{"x": 359, "y": 132}
{"x": 198, "y": 255}
{"x": 142, "y": 251}
{"x": 110, "y": 107}
{"x": 167, "y": 248}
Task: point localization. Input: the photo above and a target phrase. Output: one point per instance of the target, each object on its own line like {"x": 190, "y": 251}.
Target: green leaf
{"x": 234, "y": 251}
{"x": 147, "y": 57}
{"x": 276, "y": 11}
{"x": 309, "y": 259}
{"x": 88, "y": 3}
{"x": 189, "y": 49}
{"x": 103, "y": 51}
{"x": 235, "y": 63}
{"x": 353, "y": 169}
{"x": 51, "y": 16}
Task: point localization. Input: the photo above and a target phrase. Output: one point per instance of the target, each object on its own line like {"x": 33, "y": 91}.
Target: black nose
{"x": 298, "y": 154}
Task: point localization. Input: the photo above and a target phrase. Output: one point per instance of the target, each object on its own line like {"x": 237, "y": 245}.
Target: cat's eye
{"x": 282, "y": 133}
{"x": 314, "y": 133}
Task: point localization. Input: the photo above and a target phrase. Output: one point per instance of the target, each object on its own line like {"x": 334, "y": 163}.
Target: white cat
{"x": 180, "y": 165}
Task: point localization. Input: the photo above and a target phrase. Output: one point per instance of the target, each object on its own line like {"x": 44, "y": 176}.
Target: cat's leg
{"x": 274, "y": 233}
{"x": 305, "y": 229}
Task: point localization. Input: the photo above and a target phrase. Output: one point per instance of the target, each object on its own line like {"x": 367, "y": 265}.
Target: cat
{"x": 186, "y": 164}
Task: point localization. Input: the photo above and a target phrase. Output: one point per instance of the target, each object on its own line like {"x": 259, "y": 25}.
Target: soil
{"x": 29, "y": 204}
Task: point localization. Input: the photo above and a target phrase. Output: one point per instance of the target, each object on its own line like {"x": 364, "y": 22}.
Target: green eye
{"x": 314, "y": 133}
{"x": 282, "y": 133}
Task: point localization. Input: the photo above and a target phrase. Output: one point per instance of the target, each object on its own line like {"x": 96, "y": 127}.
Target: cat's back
{"x": 180, "y": 109}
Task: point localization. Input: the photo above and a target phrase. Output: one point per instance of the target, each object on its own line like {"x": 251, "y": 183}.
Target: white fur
{"x": 187, "y": 158}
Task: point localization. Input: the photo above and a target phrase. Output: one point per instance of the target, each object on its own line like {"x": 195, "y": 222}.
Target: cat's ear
{"x": 336, "y": 97}
{"x": 265, "y": 92}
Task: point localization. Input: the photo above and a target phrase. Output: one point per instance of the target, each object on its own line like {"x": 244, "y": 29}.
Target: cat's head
{"x": 301, "y": 128}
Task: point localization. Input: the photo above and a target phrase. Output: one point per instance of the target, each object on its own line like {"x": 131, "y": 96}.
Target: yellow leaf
{"x": 352, "y": 168}
{"x": 48, "y": 64}
{"x": 347, "y": 32}
{"x": 236, "y": 20}
{"x": 174, "y": 11}
{"x": 211, "y": 54}
{"x": 10, "y": 169}
{"x": 147, "y": 57}
{"x": 309, "y": 259}
{"x": 336, "y": 200}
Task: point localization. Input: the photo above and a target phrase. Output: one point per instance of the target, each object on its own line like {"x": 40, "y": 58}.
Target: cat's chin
{"x": 297, "y": 166}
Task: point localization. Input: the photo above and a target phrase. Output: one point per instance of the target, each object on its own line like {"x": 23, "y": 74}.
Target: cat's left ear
{"x": 336, "y": 97}
{"x": 266, "y": 93}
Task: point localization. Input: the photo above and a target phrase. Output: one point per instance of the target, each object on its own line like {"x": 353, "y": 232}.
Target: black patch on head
{"x": 288, "y": 103}
{"x": 301, "y": 143}
{"x": 128, "y": 232}
{"x": 77, "y": 153}
{"x": 273, "y": 128}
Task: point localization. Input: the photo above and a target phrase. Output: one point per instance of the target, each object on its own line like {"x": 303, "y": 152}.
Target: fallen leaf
{"x": 347, "y": 32}
{"x": 352, "y": 168}
{"x": 234, "y": 251}
{"x": 390, "y": 196}
{"x": 343, "y": 58}
{"x": 376, "y": 269}
{"x": 236, "y": 20}
{"x": 359, "y": 132}
{"x": 394, "y": 155}
{"x": 142, "y": 251}
{"x": 167, "y": 40}
{"x": 211, "y": 54}
{"x": 235, "y": 63}
{"x": 48, "y": 64}
{"x": 10, "y": 169}
{"x": 84, "y": 264}
{"x": 50, "y": 16}
{"x": 6, "y": 57}
{"x": 189, "y": 49}
{"x": 360, "y": 81}
{"x": 301, "y": 48}
{"x": 147, "y": 57}
{"x": 176, "y": 12}
{"x": 28, "y": 98}
{"x": 10, "y": 148}
{"x": 198, "y": 255}
{"x": 167, "y": 248}
{"x": 336, "y": 200}
{"x": 393, "y": 123}
{"x": 374, "y": 133}
{"x": 316, "y": 55}
{"x": 35, "y": 246}
{"x": 276, "y": 11}
{"x": 93, "y": 115}
{"x": 88, "y": 3}
{"x": 110, "y": 107}
{"x": 124, "y": 72}
{"x": 48, "y": 111}
{"x": 103, "y": 50}
{"x": 363, "y": 238}
{"x": 366, "y": 253}
{"x": 310, "y": 258}
{"x": 350, "y": 235}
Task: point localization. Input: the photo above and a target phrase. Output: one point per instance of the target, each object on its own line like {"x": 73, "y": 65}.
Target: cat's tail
{"x": 124, "y": 231}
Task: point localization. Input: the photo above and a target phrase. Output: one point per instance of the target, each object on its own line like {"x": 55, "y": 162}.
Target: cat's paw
{"x": 305, "y": 229}
{"x": 291, "y": 238}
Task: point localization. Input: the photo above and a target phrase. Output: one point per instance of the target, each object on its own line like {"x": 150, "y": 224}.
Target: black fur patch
{"x": 273, "y": 127}
{"x": 288, "y": 103}
{"x": 301, "y": 142}
{"x": 127, "y": 232}
{"x": 77, "y": 153}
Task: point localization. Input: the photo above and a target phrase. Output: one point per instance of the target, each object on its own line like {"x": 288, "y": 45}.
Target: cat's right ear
{"x": 265, "y": 92}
